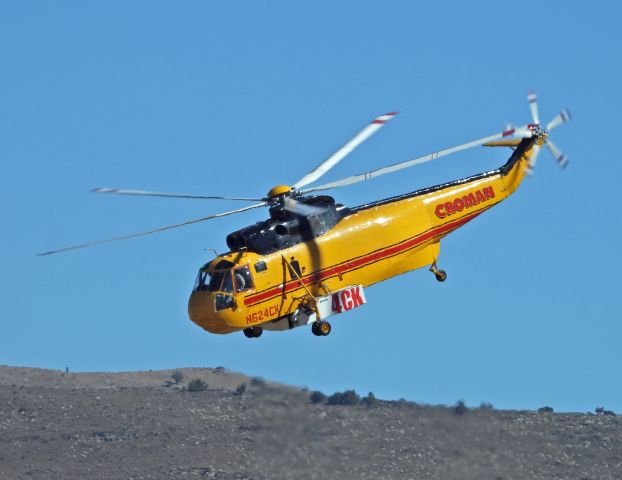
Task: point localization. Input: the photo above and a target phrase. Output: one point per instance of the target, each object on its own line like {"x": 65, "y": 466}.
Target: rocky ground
{"x": 142, "y": 425}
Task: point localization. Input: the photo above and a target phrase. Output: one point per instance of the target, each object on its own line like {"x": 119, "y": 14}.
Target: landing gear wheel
{"x": 315, "y": 330}
{"x": 321, "y": 328}
{"x": 253, "y": 332}
{"x": 325, "y": 328}
{"x": 440, "y": 275}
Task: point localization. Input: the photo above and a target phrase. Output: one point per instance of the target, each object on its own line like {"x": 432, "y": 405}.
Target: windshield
{"x": 202, "y": 282}
{"x": 224, "y": 280}
{"x": 221, "y": 281}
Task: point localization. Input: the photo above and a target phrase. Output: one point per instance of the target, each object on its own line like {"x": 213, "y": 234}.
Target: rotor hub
{"x": 279, "y": 191}
{"x": 537, "y": 130}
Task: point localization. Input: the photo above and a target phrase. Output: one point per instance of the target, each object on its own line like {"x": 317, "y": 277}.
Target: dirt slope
{"x": 139, "y": 425}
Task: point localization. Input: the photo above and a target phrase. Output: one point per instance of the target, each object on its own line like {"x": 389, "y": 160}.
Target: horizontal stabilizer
{"x": 513, "y": 142}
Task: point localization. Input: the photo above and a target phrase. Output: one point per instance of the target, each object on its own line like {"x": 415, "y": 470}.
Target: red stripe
{"x": 508, "y": 133}
{"x": 380, "y": 122}
{"x": 344, "y": 267}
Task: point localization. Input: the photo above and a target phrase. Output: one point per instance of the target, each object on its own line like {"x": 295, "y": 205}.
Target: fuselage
{"x": 371, "y": 243}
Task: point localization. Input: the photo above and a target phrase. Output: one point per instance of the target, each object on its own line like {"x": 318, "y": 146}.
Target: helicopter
{"x": 313, "y": 258}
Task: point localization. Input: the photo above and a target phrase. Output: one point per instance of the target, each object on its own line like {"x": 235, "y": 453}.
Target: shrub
{"x": 370, "y": 400}
{"x": 220, "y": 369}
{"x": 460, "y": 408}
{"x": 486, "y": 406}
{"x": 258, "y": 382}
{"x": 545, "y": 409}
{"x": 609, "y": 412}
{"x": 317, "y": 397}
{"x": 177, "y": 376}
{"x": 197, "y": 385}
{"x": 334, "y": 399}
{"x": 349, "y": 397}
{"x": 241, "y": 389}
{"x": 599, "y": 410}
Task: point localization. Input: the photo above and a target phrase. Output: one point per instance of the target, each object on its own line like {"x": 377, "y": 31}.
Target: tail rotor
{"x": 559, "y": 119}
{"x": 532, "y": 98}
{"x": 543, "y": 133}
{"x": 561, "y": 158}
{"x": 533, "y": 158}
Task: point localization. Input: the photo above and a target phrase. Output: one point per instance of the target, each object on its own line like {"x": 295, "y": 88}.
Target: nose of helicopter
{"x": 201, "y": 311}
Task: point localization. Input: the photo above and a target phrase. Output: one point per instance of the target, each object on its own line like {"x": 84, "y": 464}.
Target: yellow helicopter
{"x": 313, "y": 257}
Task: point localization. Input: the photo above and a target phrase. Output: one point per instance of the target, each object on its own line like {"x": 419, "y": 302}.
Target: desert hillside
{"x": 147, "y": 425}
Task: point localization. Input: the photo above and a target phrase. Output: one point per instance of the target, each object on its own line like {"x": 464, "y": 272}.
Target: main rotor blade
{"x": 532, "y": 98}
{"x": 561, "y": 158}
{"x": 416, "y": 161}
{"x": 336, "y": 157}
{"x": 300, "y": 208}
{"x": 559, "y": 119}
{"x": 161, "y": 229}
{"x": 523, "y": 132}
{"x": 119, "y": 191}
{"x": 507, "y": 126}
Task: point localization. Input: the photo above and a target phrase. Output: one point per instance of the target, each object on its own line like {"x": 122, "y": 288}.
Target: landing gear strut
{"x": 253, "y": 332}
{"x": 321, "y": 328}
{"x": 440, "y": 275}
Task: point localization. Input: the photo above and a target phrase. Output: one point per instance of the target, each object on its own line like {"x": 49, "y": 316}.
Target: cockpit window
{"x": 216, "y": 281}
{"x": 227, "y": 284}
{"x": 222, "y": 302}
{"x": 243, "y": 279}
{"x": 203, "y": 280}
{"x": 223, "y": 280}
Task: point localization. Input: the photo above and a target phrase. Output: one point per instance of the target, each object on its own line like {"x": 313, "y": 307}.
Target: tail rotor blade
{"x": 562, "y": 159}
{"x": 533, "y": 159}
{"x": 561, "y": 118}
{"x": 532, "y": 98}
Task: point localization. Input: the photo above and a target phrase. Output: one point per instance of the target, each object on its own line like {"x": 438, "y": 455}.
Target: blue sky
{"x": 236, "y": 97}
